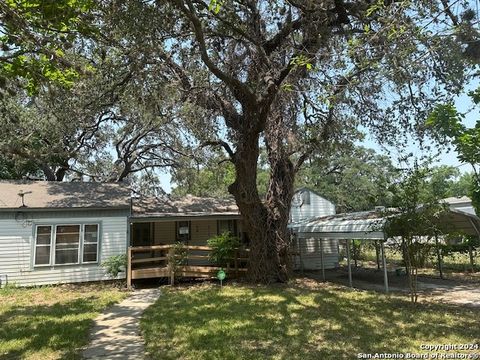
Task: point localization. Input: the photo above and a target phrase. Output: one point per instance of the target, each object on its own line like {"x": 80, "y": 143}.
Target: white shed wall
{"x": 16, "y": 246}
{"x": 318, "y": 206}
{"x": 308, "y": 245}
{"x": 310, "y": 257}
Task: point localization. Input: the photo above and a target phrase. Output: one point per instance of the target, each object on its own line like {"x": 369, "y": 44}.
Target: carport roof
{"x": 358, "y": 225}
{"x": 369, "y": 225}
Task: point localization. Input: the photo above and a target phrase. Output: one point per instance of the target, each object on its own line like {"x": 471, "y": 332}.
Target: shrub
{"x": 223, "y": 248}
{"x": 177, "y": 257}
{"x": 115, "y": 264}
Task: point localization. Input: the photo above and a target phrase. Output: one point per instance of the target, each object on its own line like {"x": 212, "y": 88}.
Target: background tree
{"x": 108, "y": 126}
{"x": 415, "y": 221}
{"x": 446, "y": 120}
{"x": 205, "y": 175}
{"x": 359, "y": 168}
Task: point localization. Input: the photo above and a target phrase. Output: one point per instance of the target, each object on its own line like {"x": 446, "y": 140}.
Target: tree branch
{"x": 238, "y": 89}
{"x": 223, "y": 144}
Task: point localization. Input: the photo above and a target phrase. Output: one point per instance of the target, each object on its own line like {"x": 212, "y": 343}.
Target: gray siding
{"x": 16, "y": 246}
{"x": 310, "y": 257}
{"x": 317, "y": 207}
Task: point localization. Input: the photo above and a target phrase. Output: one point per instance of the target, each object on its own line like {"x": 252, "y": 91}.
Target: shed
{"x": 308, "y": 205}
{"x": 60, "y": 232}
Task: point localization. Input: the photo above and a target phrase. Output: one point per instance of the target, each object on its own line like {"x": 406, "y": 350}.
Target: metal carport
{"x": 369, "y": 225}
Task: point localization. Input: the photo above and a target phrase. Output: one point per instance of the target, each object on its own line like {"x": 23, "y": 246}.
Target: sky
{"x": 465, "y": 105}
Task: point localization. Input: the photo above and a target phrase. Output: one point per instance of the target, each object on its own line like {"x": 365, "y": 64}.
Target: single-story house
{"x": 191, "y": 220}
{"x": 60, "y": 232}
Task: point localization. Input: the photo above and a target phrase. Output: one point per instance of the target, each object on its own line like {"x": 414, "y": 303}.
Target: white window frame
{"x": 53, "y": 242}
{"x": 54, "y": 253}
{"x": 50, "y": 245}
{"x": 90, "y": 243}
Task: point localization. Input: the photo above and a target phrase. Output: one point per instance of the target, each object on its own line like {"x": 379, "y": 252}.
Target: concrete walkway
{"x": 116, "y": 334}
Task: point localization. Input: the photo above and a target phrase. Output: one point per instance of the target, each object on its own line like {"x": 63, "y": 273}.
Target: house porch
{"x": 169, "y": 248}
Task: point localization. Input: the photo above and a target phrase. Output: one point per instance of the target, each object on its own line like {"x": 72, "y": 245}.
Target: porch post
{"x": 470, "y": 250}
{"x": 349, "y": 264}
{"x": 236, "y": 263}
{"x": 384, "y": 261}
{"x": 171, "y": 265}
{"x": 129, "y": 267}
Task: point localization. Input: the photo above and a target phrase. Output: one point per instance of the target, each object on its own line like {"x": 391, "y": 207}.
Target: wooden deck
{"x": 162, "y": 261}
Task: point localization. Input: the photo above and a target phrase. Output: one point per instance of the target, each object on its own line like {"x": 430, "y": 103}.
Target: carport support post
{"x": 349, "y": 264}
{"x": 377, "y": 254}
{"x": 472, "y": 262}
{"x": 439, "y": 257}
{"x": 322, "y": 258}
{"x": 384, "y": 263}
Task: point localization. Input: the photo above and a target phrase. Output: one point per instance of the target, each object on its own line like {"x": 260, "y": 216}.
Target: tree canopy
{"x": 38, "y": 40}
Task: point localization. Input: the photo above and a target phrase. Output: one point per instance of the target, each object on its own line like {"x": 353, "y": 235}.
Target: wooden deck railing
{"x": 145, "y": 262}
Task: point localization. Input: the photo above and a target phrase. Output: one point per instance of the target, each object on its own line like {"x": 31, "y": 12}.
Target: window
{"x": 227, "y": 226}
{"x": 66, "y": 244}
{"x": 90, "y": 243}
{"x": 43, "y": 245}
{"x": 183, "y": 231}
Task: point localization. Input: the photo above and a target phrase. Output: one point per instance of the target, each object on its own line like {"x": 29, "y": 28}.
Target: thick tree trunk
{"x": 265, "y": 220}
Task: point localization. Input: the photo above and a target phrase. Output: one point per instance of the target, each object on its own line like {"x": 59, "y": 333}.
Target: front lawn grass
{"x": 302, "y": 320}
{"x": 50, "y": 322}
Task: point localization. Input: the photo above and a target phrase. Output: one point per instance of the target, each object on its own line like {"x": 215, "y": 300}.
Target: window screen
{"x": 67, "y": 244}
{"x": 43, "y": 245}
{"x": 90, "y": 243}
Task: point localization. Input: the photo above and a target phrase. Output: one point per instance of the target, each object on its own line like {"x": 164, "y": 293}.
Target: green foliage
{"x": 177, "y": 256}
{"x": 8, "y": 288}
{"x": 215, "y": 6}
{"x": 462, "y": 247}
{"x": 446, "y": 121}
{"x": 37, "y": 35}
{"x": 212, "y": 179}
{"x": 223, "y": 248}
{"x": 417, "y": 219}
{"x": 418, "y": 208}
{"x": 302, "y": 61}
{"x": 359, "y": 168}
{"x": 115, "y": 264}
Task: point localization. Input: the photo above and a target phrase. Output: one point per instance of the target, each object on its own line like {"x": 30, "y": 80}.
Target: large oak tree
{"x": 296, "y": 75}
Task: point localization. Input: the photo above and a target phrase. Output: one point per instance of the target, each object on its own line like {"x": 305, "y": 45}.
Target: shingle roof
{"x": 62, "y": 195}
{"x": 187, "y": 206}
